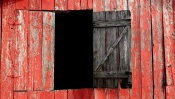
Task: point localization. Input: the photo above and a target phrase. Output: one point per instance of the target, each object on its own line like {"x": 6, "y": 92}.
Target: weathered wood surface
{"x": 35, "y": 4}
{"x": 84, "y": 4}
{"x": 158, "y": 50}
{"x": 81, "y": 94}
{"x": 35, "y": 50}
{"x": 20, "y": 95}
{"x": 22, "y": 4}
{"x": 48, "y": 4}
{"x": 106, "y": 93}
{"x": 71, "y": 4}
{"x": 77, "y": 4}
{"x": 61, "y": 4}
{"x": 21, "y": 52}
{"x": 48, "y": 41}
{"x": 61, "y": 93}
{"x": 8, "y": 49}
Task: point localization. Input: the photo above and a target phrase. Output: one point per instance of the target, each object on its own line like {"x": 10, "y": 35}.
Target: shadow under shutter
{"x": 112, "y": 49}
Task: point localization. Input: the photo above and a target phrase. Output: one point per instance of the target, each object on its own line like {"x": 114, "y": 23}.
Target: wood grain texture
{"x": 21, "y": 55}
{"x": 34, "y": 4}
{"x": 61, "y": 93}
{"x": 0, "y": 41}
{"x": 61, "y": 5}
{"x": 48, "y": 42}
{"x": 100, "y": 93}
{"x": 81, "y": 94}
{"x": 77, "y": 4}
{"x": 124, "y": 94}
{"x": 48, "y": 95}
{"x": 84, "y": 4}
{"x": 122, "y": 5}
{"x": 90, "y": 4}
{"x": 22, "y": 4}
{"x": 168, "y": 30}
{"x": 158, "y": 50}
{"x": 48, "y": 4}
{"x": 34, "y": 94}
{"x": 170, "y": 92}
{"x": 35, "y": 50}
{"x": 71, "y": 4}
{"x": 146, "y": 50}
{"x": 88, "y": 93}
{"x": 98, "y": 5}
{"x": 8, "y": 49}
{"x": 20, "y": 95}
{"x": 135, "y": 49}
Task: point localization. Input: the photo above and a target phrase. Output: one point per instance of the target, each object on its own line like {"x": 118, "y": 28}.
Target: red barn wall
{"x": 153, "y": 48}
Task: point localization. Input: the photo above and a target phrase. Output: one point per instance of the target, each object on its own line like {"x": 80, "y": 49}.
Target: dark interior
{"x": 73, "y": 50}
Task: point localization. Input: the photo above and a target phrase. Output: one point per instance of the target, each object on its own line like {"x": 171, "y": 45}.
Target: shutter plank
{"x": 48, "y": 50}
{"x": 8, "y": 50}
{"x": 21, "y": 58}
{"x": 35, "y": 50}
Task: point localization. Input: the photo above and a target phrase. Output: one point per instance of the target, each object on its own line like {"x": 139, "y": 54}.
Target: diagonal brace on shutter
{"x": 111, "y": 49}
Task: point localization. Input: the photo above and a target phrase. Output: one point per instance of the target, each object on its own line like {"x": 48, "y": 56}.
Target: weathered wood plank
{"x": 113, "y": 94}
{"x": 71, "y": 4}
{"x": 22, "y": 4}
{"x": 47, "y": 95}
{"x": 61, "y": 93}
{"x": 84, "y": 4}
{"x": 158, "y": 50}
{"x": 98, "y": 5}
{"x": 20, "y": 95}
{"x": 35, "y": 50}
{"x": 168, "y": 30}
{"x": 90, "y": 4}
{"x": 124, "y": 94}
{"x": 170, "y": 90}
{"x": 61, "y": 5}
{"x": 74, "y": 94}
{"x": 77, "y": 4}
{"x": 21, "y": 57}
{"x": 122, "y": 5}
{"x": 0, "y": 41}
{"x": 48, "y": 50}
{"x": 135, "y": 49}
{"x": 146, "y": 50}
{"x": 87, "y": 93}
{"x": 111, "y": 74}
{"x": 34, "y": 95}
{"x": 34, "y": 4}
{"x": 100, "y": 93}
{"x": 8, "y": 49}
{"x": 48, "y": 4}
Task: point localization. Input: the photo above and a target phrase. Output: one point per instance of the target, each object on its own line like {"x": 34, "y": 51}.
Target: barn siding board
{"x": 8, "y": 49}
{"x": 48, "y": 4}
{"x": 21, "y": 59}
{"x": 34, "y": 94}
{"x": 0, "y": 41}
{"x": 98, "y": 5}
{"x": 124, "y": 94}
{"x": 61, "y": 93}
{"x": 146, "y": 50}
{"x": 88, "y": 93}
{"x": 170, "y": 92}
{"x": 47, "y": 95}
{"x": 61, "y": 4}
{"x": 20, "y": 95}
{"x": 84, "y": 4}
{"x": 168, "y": 30}
{"x": 71, "y": 4}
{"x": 113, "y": 94}
{"x": 90, "y": 4}
{"x": 48, "y": 50}
{"x": 77, "y": 4}
{"x": 22, "y": 4}
{"x": 158, "y": 50}
{"x": 35, "y": 50}
{"x": 100, "y": 93}
{"x": 34, "y": 4}
{"x": 81, "y": 94}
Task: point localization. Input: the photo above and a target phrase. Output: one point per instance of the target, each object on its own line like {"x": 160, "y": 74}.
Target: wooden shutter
{"x": 34, "y": 50}
{"x": 112, "y": 48}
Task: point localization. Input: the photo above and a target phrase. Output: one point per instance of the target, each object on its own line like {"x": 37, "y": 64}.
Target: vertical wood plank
{"x": 61, "y": 5}
{"x": 71, "y": 4}
{"x": 8, "y": 49}
{"x": 21, "y": 60}
{"x": 146, "y": 50}
{"x": 113, "y": 94}
{"x": 84, "y": 4}
{"x": 35, "y": 50}
{"x": 22, "y": 4}
{"x": 158, "y": 50}
{"x": 100, "y": 93}
{"x": 48, "y": 50}
{"x": 170, "y": 90}
{"x": 113, "y": 5}
{"x": 47, "y": 95}
{"x": 48, "y": 4}
{"x": 0, "y": 41}
{"x": 74, "y": 94}
{"x": 87, "y": 93}
{"x": 34, "y": 4}
{"x": 121, "y": 5}
{"x": 98, "y": 5}
{"x": 77, "y": 4}
{"x": 107, "y": 5}
{"x": 90, "y": 4}
{"x": 124, "y": 94}
{"x": 135, "y": 49}
{"x": 20, "y": 95}
{"x": 61, "y": 93}
{"x": 168, "y": 30}
{"x": 34, "y": 95}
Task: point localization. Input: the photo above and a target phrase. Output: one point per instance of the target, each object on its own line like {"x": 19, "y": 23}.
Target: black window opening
{"x": 73, "y": 50}
{"x": 83, "y": 56}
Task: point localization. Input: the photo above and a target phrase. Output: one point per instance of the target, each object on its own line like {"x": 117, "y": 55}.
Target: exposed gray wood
{"x": 111, "y": 74}
{"x": 112, "y": 23}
